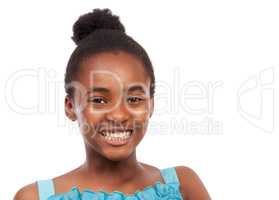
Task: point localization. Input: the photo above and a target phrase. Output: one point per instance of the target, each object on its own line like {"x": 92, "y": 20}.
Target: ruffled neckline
{"x": 119, "y": 192}
{"x": 159, "y": 190}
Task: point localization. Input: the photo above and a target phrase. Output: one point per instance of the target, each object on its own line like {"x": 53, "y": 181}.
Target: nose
{"x": 118, "y": 114}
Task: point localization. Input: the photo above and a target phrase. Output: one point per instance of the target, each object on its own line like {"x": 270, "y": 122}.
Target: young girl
{"x": 109, "y": 83}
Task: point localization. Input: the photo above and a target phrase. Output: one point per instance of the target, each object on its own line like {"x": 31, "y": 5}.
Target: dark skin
{"x": 117, "y": 104}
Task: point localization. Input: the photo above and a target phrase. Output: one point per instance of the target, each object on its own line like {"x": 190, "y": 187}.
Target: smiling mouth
{"x": 116, "y": 137}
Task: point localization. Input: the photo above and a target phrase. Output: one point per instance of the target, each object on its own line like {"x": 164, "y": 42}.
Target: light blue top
{"x": 170, "y": 190}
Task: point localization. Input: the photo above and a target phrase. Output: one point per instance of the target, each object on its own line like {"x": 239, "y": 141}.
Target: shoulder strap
{"x": 169, "y": 175}
{"x": 45, "y": 189}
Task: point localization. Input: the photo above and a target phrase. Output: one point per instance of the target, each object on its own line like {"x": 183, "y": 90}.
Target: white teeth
{"x": 117, "y": 136}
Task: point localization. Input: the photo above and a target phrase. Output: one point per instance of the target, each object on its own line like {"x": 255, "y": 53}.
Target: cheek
{"x": 140, "y": 122}
{"x": 88, "y": 123}
{"x": 141, "y": 112}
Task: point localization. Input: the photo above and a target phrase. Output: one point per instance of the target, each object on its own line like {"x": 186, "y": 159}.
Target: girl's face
{"x": 112, "y": 103}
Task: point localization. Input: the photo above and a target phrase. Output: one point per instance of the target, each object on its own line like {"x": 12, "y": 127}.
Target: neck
{"x": 96, "y": 165}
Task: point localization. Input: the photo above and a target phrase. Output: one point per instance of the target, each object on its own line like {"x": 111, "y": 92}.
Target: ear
{"x": 151, "y": 106}
{"x": 69, "y": 108}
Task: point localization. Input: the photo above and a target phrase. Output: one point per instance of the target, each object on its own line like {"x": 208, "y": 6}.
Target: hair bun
{"x": 97, "y": 19}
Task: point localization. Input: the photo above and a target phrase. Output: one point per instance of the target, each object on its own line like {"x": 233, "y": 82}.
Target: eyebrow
{"x": 136, "y": 88}
{"x": 105, "y": 90}
{"x": 98, "y": 89}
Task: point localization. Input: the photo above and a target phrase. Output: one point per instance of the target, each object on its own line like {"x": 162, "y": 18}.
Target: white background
{"x": 215, "y": 61}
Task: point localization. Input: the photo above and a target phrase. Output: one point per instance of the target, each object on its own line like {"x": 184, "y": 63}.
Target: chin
{"x": 117, "y": 155}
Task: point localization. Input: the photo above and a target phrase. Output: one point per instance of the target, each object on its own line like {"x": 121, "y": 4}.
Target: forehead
{"x": 109, "y": 68}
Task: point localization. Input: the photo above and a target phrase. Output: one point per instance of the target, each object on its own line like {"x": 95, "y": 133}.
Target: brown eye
{"x": 97, "y": 100}
{"x": 134, "y": 100}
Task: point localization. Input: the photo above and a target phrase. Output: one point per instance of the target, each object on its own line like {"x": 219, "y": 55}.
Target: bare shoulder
{"x": 28, "y": 192}
{"x": 191, "y": 185}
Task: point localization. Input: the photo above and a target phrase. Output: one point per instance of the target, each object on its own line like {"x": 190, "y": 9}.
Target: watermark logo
{"x": 256, "y": 100}
{"x": 188, "y": 105}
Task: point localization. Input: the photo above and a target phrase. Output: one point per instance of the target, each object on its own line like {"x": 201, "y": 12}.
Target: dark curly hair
{"x": 101, "y": 31}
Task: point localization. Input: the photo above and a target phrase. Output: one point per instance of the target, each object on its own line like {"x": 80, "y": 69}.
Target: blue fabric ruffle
{"x": 159, "y": 191}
